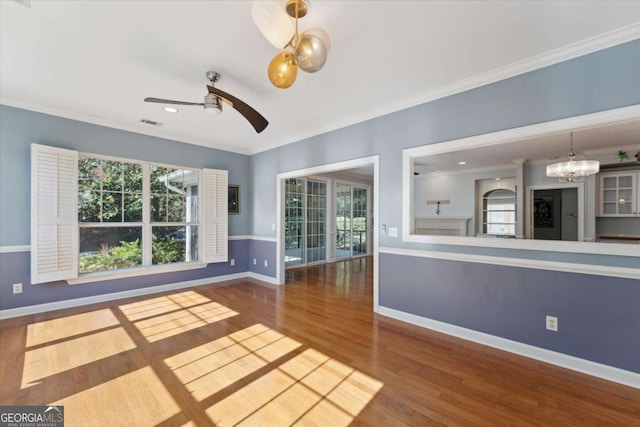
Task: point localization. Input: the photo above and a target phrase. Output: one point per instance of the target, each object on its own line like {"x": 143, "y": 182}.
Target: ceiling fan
{"x": 213, "y": 103}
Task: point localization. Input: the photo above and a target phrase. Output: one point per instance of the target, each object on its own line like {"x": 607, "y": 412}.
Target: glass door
{"x": 293, "y": 222}
{"x": 305, "y": 221}
{"x": 351, "y": 221}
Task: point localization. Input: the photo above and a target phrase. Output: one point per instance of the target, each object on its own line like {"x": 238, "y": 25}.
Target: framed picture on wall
{"x": 543, "y": 212}
{"x": 234, "y": 199}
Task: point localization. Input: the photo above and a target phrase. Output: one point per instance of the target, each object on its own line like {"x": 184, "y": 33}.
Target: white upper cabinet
{"x": 619, "y": 194}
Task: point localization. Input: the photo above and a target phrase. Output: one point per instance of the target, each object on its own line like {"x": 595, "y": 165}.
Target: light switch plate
{"x": 393, "y": 231}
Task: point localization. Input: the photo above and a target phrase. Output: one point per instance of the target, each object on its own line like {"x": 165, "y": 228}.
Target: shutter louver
{"x": 54, "y": 230}
{"x": 215, "y": 215}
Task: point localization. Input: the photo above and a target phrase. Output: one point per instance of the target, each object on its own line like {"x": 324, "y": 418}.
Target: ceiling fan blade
{"x": 168, "y": 101}
{"x": 256, "y": 119}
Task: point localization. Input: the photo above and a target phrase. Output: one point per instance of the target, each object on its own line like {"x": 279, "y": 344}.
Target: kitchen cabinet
{"x": 619, "y": 193}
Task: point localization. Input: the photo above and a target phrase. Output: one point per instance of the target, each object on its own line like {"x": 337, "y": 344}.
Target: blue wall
{"x": 588, "y": 306}
{"x": 19, "y": 128}
{"x": 599, "y": 315}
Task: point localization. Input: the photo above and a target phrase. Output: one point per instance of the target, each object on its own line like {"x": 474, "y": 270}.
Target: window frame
{"x": 212, "y": 220}
{"x": 147, "y": 223}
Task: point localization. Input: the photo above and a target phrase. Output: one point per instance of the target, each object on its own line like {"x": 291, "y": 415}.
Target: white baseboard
{"x": 77, "y": 302}
{"x": 621, "y": 376}
{"x": 262, "y": 277}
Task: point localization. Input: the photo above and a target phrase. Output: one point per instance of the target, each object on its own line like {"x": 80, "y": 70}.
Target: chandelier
{"x": 307, "y": 51}
{"x": 573, "y": 170}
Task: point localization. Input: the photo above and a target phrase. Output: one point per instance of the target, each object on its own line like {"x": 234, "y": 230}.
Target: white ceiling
{"x": 97, "y": 60}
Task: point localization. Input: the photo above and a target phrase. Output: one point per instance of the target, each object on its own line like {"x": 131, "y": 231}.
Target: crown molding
{"x": 571, "y": 51}
{"x": 124, "y": 126}
{"x": 584, "y": 47}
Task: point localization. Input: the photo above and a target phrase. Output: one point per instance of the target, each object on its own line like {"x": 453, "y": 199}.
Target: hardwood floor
{"x": 308, "y": 353}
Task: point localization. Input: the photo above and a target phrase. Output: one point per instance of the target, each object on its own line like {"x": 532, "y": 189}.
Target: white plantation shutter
{"x": 54, "y": 218}
{"x": 215, "y": 216}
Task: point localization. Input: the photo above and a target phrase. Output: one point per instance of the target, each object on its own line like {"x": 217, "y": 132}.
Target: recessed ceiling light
{"x": 170, "y": 109}
{"x": 462, "y": 163}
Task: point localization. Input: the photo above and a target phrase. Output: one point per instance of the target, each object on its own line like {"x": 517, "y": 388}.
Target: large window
{"x": 127, "y": 214}
{"x": 115, "y": 212}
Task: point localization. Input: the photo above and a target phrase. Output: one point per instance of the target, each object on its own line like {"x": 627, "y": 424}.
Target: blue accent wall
{"x": 19, "y": 128}
{"x": 15, "y": 268}
{"x": 598, "y": 317}
{"x": 261, "y": 251}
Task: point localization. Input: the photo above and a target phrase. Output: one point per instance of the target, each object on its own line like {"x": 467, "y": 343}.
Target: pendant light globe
{"x": 283, "y": 70}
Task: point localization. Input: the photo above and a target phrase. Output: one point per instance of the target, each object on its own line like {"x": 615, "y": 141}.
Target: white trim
{"x": 524, "y": 132}
{"x": 331, "y": 167}
{"x": 567, "y": 267}
{"x": 263, "y": 278}
{"x": 16, "y": 248}
{"x": 135, "y": 127}
{"x": 262, "y": 238}
{"x": 77, "y": 302}
{"x": 500, "y": 137}
{"x": 610, "y": 373}
{"x": 134, "y": 272}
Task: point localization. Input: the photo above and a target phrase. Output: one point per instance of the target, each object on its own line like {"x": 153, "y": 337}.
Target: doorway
{"x": 555, "y": 214}
{"x": 305, "y": 221}
{"x": 371, "y": 166}
{"x": 352, "y": 222}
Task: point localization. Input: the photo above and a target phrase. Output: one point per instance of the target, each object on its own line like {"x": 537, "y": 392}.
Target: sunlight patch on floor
{"x": 69, "y": 326}
{"x": 209, "y": 368}
{"x": 135, "y": 399}
{"x": 310, "y": 389}
{"x": 52, "y": 359}
{"x": 177, "y": 322}
{"x": 160, "y": 305}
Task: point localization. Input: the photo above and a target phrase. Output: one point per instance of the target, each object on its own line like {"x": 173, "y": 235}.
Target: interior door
{"x": 555, "y": 214}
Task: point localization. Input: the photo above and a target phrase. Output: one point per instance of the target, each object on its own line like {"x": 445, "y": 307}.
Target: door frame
{"x": 334, "y": 229}
{"x": 558, "y": 186}
{"x": 330, "y": 167}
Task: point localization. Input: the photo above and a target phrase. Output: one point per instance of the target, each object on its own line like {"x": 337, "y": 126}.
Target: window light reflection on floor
{"x": 310, "y": 389}
{"x": 209, "y": 368}
{"x": 65, "y": 327}
{"x": 177, "y": 322}
{"x": 136, "y": 399}
{"x": 48, "y": 360}
{"x": 161, "y": 305}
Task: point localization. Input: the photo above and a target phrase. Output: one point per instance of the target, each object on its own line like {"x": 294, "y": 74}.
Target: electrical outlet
{"x": 254, "y": 261}
{"x": 17, "y": 288}
{"x": 552, "y": 323}
{"x": 273, "y": 226}
{"x": 233, "y": 262}
{"x": 266, "y": 264}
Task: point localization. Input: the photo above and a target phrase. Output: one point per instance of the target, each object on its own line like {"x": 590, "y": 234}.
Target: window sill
{"x": 141, "y": 271}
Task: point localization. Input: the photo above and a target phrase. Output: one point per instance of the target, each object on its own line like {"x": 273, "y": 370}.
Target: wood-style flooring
{"x": 311, "y": 352}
